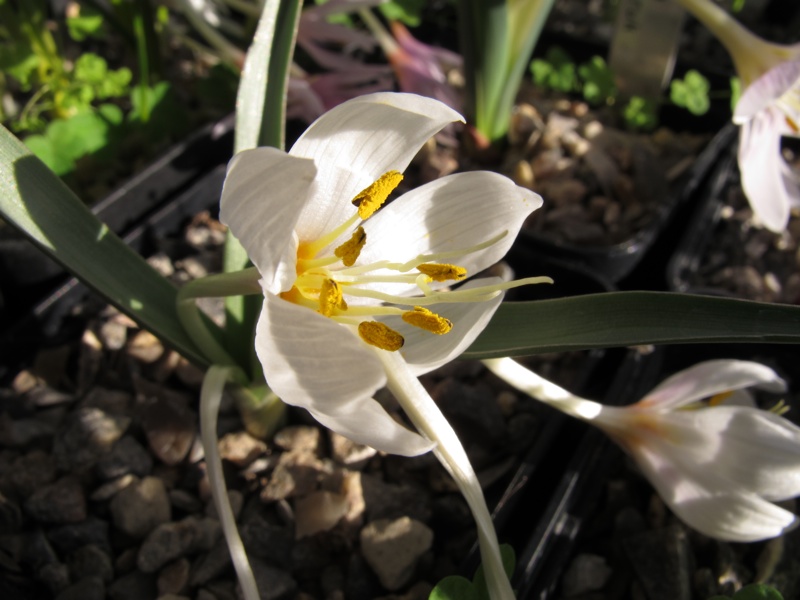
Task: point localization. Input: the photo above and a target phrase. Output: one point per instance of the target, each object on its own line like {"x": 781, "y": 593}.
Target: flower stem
{"x": 214, "y": 286}
{"x": 751, "y": 55}
{"x": 541, "y": 389}
{"x": 430, "y": 421}
{"x": 210, "y": 397}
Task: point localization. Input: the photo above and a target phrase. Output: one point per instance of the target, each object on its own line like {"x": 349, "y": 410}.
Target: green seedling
{"x": 598, "y": 81}
{"x": 641, "y": 114}
{"x": 754, "y": 591}
{"x": 556, "y": 71}
{"x": 456, "y": 587}
{"x": 691, "y": 92}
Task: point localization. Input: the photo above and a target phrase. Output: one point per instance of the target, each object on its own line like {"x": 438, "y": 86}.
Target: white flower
{"x": 338, "y": 320}
{"x": 717, "y": 466}
{"x": 768, "y": 110}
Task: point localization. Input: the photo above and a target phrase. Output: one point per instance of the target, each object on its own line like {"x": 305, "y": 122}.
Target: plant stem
{"x": 430, "y": 421}
{"x": 210, "y": 397}
{"x": 239, "y": 283}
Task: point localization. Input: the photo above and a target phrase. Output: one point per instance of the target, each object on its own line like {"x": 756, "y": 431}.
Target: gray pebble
{"x": 140, "y": 507}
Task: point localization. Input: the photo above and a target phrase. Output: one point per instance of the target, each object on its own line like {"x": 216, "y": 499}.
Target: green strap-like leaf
{"x": 631, "y": 318}
{"x": 260, "y": 119}
{"x": 34, "y": 199}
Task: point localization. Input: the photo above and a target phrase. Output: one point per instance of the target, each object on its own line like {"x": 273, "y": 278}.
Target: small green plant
{"x": 598, "y": 81}
{"x": 456, "y": 587}
{"x": 754, "y": 591}
{"x": 556, "y": 71}
{"x": 691, "y": 92}
{"x": 641, "y": 113}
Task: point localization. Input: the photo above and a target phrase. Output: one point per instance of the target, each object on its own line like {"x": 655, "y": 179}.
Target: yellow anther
{"x": 381, "y": 336}
{"x": 443, "y": 272}
{"x": 373, "y": 197}
{"x": 427, "y": 320}
{"x": 718, "y": 399}
{"x": 350, "y": 250}
{"x": 330, "y": 298}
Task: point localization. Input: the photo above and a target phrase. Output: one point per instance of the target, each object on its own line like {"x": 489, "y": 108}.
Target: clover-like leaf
{"x": 88, "y": 23}
{"x": 598, "y": 81}
{"x": 641, "y": 113}
{"x": 691, "y": 92}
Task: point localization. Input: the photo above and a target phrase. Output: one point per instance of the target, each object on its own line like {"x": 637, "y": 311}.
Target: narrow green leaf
{"x": 260, "y": 118}
{"x": 631, "y": 318}
{"x": 454, "y": 587}
{"x": 34, "y": 199}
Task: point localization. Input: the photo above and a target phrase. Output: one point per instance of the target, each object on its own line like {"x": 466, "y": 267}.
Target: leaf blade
{"x": 631, "y": 318}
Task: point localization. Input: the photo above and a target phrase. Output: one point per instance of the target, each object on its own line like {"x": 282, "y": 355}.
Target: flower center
{"x": 326, "y": 279}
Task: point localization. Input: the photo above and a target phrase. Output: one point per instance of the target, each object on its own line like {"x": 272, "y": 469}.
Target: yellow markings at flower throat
{"x": 327, "y": 273}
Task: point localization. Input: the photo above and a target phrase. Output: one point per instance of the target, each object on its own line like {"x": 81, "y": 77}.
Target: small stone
{"x": 115, "y": 402}
{"x": 525, "y": 119}
{"x": 60, "y": 502}
{"x": 471, "y": 409}
{"x": 18, "y": 433}
{"x": 133, "y": 586}
{"x": 90, "y": 561}
{"x": 141, "y": 507}
{"x": 88, "y": 588}
{"x": 298, "y": 438}
{"x": 391, "y": 501}
{"x": 523, "y": 174}
{"x": 235, "y": 499}
{"x": 173, "y": 540}
{"x": 317, "y": 512}
{"x": 170, "y": 429}
{"x": 113, "y": 335}
{"x": 265, "y": 540}
{"x": 296, "y": 474}
{"x": 273, "y": 583}
{"x": 240, "y": 448}
{"x": 87, "y": 435}
{"x": 68, "y": 538}
{"x": 165, "y": 543}
{"x": 212, "y": 564}
{"x": 661, "y": 561}
{"x": 30, "y": 472}
{"x": 127, "y": 456}
{"x": 10, "y": 516}
{"x": 349, "y": 453}
{"x": 55, "y": 576}
{"x": 112, "y": 488}
{"x": 393, "y": 548}
{"x": 564, "y": 192}
{"x": 161, "y": 263}
{"x": 145, "y": 347}
{"x": 586, "y": 573}
{"x": 185, "y": 501}
{"x": 174, "y": 577}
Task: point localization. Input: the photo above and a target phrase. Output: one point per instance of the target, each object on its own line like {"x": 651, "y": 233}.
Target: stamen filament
{"x": 408, "y": 278}
{"x": 314, "y": 248}
{"x": 442, "y": 256}
{"x": 477, "y": 294}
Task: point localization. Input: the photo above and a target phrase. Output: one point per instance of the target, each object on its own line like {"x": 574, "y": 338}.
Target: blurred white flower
{"x": 768, "y": 109}
{"x": 719, "y": 467}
